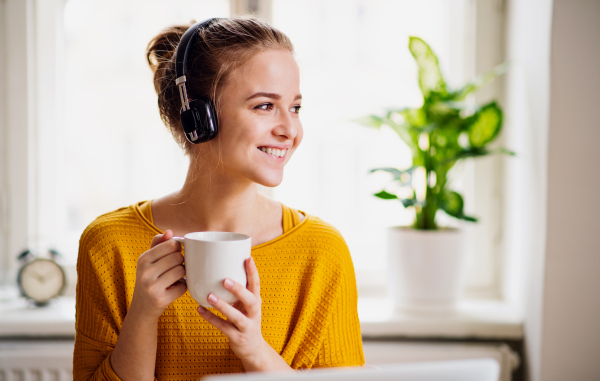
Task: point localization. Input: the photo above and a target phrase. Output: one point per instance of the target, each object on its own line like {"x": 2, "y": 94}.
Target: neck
{"x": 217, "y": 201}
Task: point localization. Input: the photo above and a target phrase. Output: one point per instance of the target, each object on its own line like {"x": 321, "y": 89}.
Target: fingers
{"x": 160, "y": 250}
{"x": 252, "y": 275}
{"x": 221, "y": 324}
{"x": 167, "y": 262}
{"x": 249, "y": 300}
{"x": 176, "y": 290}
{"x": 168, "y": 278}
{"x": 168, "y": 234}
{"x": 233, "y": 315}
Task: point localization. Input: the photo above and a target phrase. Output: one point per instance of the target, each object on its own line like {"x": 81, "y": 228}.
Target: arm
{"x": 243, "y": 324}
{"x": 96, "y": 321}
{"x": 156, "y": 286}
{"x": 134, "y": 355}
{"x": 342, "y": 344}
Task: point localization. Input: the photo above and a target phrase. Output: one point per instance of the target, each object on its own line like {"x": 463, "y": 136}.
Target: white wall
{"x": 553, "y": 184}
{"x": 3, "y": 155}
{"x": 571, "y": 308}
{"x": 526, "y": 132}
{"x": 17, "y": 130}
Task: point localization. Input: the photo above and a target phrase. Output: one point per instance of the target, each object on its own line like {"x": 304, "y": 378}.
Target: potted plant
{"x": 427, "y": 261}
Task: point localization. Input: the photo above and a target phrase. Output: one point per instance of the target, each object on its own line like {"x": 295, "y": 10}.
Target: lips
{"x": 274, "y": 153}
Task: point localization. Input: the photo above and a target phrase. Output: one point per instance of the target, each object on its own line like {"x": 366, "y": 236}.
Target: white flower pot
{"x": 426, "y": 269}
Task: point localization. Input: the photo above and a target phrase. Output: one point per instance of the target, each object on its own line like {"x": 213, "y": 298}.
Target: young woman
{"x": 135, "y": 321}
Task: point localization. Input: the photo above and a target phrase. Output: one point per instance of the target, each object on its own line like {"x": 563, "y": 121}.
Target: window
{"x": 354, "y": 61}
{"x": 112, "y": 128}
{"x": 95, "y": 125}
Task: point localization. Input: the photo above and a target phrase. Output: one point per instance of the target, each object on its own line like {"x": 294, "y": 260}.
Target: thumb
{"x": 160, "y": 238}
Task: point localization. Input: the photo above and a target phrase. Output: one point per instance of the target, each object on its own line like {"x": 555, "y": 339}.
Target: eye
{"x": 296, "y": 109}
{"x": 264, "y": 106}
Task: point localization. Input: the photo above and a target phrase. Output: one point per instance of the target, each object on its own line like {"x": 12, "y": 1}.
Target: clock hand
{"x": 37, "y": 276}
{"x": 48, "y": 273}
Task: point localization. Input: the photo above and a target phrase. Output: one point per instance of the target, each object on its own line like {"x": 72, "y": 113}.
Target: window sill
{"x": 19, "y": 319}
{"x": 474, "y": 319}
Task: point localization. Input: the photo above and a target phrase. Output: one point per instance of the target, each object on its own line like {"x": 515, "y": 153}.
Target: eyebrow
{"x": 270, "y": 95}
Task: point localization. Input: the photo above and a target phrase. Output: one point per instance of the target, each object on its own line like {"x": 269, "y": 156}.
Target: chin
{"x": 269, "y": 181}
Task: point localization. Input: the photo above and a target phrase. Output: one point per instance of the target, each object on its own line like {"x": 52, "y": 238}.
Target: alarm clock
{"x": 40, "y": 279}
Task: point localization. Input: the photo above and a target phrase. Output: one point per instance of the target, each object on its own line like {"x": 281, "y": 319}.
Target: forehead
{"x": 274, "y": 71}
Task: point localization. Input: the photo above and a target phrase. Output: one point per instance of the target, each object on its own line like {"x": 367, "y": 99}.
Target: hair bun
{"x": 162, "y": 48}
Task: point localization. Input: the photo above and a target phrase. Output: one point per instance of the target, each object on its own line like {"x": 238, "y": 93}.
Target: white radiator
{"x": 53, "y": 360}
{"x": 36, "y": 360}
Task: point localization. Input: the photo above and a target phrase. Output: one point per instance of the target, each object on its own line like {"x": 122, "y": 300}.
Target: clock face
{"x": 41, "y": 280}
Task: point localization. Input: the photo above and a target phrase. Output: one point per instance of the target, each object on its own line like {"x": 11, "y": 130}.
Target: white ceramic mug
{"x": 210, "y": 257}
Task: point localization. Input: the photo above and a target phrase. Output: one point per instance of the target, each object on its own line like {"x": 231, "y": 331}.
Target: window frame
{"x": 30, "y": 126}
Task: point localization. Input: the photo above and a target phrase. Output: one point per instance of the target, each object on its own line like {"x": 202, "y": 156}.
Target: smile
{"x": 273, "y": 151}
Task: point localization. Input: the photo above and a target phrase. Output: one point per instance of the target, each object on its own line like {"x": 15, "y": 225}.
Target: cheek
{"x": 239, "y": 135}
{"x": 232, "y": 129}
{"x": 299, "y": 134}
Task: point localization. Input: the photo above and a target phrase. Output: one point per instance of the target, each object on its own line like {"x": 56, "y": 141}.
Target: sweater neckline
{"x": 307, "y": 219}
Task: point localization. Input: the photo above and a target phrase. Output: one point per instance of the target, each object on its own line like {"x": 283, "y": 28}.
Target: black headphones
{"x": 198, "y": 117}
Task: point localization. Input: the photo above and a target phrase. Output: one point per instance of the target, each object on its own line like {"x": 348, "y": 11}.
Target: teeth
{"x": 273, "y": 151}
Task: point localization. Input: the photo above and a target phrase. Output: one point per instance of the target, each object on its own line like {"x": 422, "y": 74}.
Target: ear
{"x": 200, "y": 121}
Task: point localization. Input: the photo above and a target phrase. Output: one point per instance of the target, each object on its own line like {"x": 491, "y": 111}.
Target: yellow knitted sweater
{"x": 308, "y": 292}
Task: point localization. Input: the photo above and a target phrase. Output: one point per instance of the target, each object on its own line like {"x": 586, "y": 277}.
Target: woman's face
{"x": 259, "y": 112}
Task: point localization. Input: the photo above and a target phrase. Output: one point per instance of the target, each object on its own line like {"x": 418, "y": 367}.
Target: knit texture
{"x": 308, "y": 292}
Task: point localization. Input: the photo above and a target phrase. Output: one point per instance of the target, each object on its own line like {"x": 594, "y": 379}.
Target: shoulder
{"x": 323, "y": 231}
{"x": 110, "y": 229}
{"x": 328, "y": 256}
{"x": 324, "y": 239}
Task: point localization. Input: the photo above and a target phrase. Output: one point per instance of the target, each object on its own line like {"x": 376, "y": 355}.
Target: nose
{"x": 286, "y": 126}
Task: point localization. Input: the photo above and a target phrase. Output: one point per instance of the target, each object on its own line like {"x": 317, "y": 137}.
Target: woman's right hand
{"x": 157, "y": 279}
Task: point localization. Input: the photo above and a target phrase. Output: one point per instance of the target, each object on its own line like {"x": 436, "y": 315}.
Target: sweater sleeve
{"x": 342, "y": 343}
{"x": 96, "y": 321}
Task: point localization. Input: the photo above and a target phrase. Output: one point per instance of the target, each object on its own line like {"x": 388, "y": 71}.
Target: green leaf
{"x": 430, "y": 77}
{"x": 485, "y": 125}
{"x": 399, "y": 175}
{"x": 385, "y": 195}
{"x": 452, "y": 203}
{"x": 415, "y": 117}
{"x": 504, "y": 151}
{"x": 370, "y": 121}
{"x": 480, "y": 81}
{"x": 471, "y": 152}
{"x": 477, "y": 152}
{"x": 408, "y": 202}
{"x": 395, "y": 172}
{"x": 468, "y": 218}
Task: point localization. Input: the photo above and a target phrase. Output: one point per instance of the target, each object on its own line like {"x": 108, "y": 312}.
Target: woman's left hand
{"x": 243, "y": 324}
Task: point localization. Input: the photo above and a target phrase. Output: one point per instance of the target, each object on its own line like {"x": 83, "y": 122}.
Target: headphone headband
{"x": 183, "y": 48}
{"x": 198, "y": 117}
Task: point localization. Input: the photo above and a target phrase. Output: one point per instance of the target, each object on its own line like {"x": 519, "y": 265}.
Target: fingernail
{"x": 228, "y": 283}
{"x": 201, "y": 309}
{"x": 212, "y": 299}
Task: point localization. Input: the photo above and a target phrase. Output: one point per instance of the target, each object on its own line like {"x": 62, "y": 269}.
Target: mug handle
{"x": 182, "y": 241}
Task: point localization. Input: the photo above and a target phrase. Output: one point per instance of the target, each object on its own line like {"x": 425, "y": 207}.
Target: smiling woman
{"x": 134, "y": 319}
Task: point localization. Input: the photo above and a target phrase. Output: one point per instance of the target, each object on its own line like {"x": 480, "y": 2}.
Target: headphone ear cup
{"x": 200, "y": 121}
